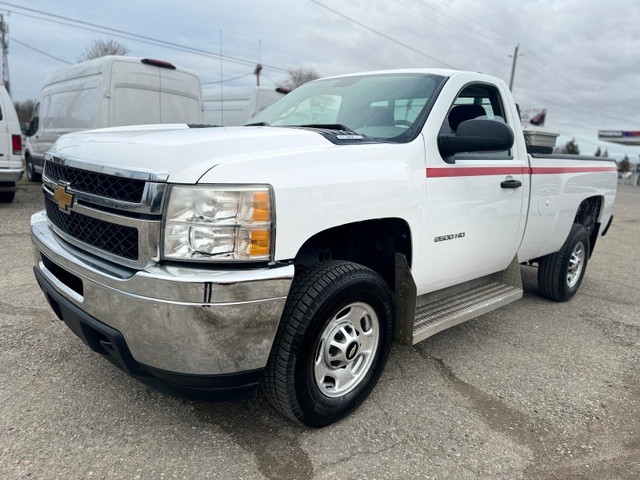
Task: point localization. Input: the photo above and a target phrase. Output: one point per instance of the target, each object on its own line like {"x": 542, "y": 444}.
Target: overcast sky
{"x": 579, "y": 59}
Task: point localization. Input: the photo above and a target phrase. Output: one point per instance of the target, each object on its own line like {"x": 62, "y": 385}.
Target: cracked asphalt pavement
{"x": 534, "y": 390}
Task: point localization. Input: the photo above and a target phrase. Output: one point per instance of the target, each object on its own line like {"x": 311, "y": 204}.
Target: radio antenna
{"x": 221, "y": 85}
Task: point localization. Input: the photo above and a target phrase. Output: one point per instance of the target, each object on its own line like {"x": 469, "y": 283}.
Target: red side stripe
{"x": 550, "y": 170}
{"x": 480, "y": 171}
{"x": 475, "y": 171}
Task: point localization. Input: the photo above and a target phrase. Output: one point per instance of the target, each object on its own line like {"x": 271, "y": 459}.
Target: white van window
{"x": 73, "y": 109}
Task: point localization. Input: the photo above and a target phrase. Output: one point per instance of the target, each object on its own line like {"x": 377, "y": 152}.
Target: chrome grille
{"x": 115, "y": 212}
{"x": 120, "y": 240}
{"x": 110, "y": 186}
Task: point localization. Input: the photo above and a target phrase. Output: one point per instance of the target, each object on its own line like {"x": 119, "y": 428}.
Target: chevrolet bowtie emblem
{"x": 62, "y": 198}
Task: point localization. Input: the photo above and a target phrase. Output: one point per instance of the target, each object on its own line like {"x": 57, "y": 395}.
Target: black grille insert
{"x": 116, "y": 239}
{"x": 110, "y": 186}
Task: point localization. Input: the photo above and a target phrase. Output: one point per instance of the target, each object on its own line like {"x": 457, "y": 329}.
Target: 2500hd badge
{"x": 451, "y": 236}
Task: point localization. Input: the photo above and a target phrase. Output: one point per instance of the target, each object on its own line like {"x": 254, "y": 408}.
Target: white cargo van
{"x": 108, "y": 92}
{"x": 10, "y": 148}
{"x": 238, "y": 104}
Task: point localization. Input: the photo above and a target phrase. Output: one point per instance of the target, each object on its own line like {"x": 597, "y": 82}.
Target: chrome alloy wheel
{"x": 346, "y": 349}
{"x": 576, "y": 264}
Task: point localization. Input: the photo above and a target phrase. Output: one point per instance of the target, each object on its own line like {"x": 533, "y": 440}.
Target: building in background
{"x": 623, "y": 137}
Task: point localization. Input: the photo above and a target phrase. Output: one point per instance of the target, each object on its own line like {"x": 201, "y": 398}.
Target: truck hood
{"x": 184, "y": 154}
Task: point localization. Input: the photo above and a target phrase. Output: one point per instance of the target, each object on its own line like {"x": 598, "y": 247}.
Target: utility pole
{"x": 256, "y": 72}
{"x": 4, "y": 38}
{"x": 258, "y": 68}
{"x": 513, "y": 66}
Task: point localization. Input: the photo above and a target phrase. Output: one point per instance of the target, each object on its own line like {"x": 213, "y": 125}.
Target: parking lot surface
{"x": 534, "y": 390}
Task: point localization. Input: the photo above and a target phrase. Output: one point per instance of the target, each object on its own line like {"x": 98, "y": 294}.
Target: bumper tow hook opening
{"x": 105, "y": 343}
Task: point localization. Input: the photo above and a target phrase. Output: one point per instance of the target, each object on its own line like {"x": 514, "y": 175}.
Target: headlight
{"x": 218, "y": 223}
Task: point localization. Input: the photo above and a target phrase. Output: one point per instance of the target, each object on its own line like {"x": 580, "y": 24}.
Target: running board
{"x": 437, "y": 311}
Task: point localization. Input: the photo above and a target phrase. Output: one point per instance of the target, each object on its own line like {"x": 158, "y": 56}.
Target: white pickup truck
{"x": 289, "y": 253}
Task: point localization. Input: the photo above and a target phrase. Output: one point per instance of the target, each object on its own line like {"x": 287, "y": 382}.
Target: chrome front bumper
{"x": 190, "y": 320}
{"x": 11, "y": 174}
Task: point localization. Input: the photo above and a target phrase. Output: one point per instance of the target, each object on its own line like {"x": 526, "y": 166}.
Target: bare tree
{"x": 25, "y": 109}
{"x": 299, "y": 76}
{"x": 100, "y": 48}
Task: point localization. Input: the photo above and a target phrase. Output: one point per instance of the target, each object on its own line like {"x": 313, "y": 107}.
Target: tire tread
{"x": 304, "y": 297}
{"x": 551, "y": 267}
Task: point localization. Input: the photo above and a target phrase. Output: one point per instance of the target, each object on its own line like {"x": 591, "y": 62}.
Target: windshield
{"x": 384, "y": 106}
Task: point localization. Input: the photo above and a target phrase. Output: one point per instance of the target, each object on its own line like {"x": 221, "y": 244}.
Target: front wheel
{"x": 560, "y": 274}
{"x": 32, "y": 176}
{"x": 332, "y": 343}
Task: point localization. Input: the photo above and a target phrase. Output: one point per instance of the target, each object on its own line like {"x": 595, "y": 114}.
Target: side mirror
{"x": 476, "y": 135}
{"x": 28, "y": 132}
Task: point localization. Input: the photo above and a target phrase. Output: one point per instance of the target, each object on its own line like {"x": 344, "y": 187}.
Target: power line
{"x": 474, "y": 21}
{"x": 227, "y": 79}
{"x": 569, "y": 108}
{"x": 132, "y": 36}
{"x": 542, "y": 66}
{"x": 271, "y": 80}
{"x": 545, "y": 68}
{"x": 458, "y": 22}
{"x": 383, "y": 35}
{"x": 458, "y": 32}
{"x": 13, "y": 39}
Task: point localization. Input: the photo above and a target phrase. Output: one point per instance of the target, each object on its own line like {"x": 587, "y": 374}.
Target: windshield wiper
{"x": 258, "y": 124}
{"x": 327, "y": 126}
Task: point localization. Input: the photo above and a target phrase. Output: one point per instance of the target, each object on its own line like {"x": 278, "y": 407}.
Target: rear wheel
{"x": 332, "y": 344}
{"x": 7, "y": 192}
{"x": 560, "y": 274}
{"x": 32, "y": 176}
{"x": 7, "y": 197}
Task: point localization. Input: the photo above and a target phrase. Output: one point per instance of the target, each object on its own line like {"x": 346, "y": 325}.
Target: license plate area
{"x": 67, "y": 278}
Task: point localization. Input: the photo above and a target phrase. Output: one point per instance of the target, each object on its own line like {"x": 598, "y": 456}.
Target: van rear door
{"x": 180, "y": 97}
{"x": 147, "y": 92}
{"x": 135, "y": 94}
{"x": 10, "y": 135}
{"x": 5, "y": 138}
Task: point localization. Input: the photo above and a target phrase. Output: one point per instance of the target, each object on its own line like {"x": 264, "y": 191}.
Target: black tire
{"x": 553, "y": 269}
{"x": 7, "y": 197}
{"x": 316, "y": 298}
{"x": 32, "y": 176}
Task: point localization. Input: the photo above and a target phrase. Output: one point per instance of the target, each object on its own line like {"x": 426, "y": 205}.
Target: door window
{"x": 35, "y": 119}
{"x": 475, "y": 101}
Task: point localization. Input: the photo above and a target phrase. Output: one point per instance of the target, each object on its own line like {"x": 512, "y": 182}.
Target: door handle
{"x": 511, "y": 184}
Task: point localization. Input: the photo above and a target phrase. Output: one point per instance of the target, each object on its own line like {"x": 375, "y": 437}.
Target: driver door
{"x": 473, "y": 222}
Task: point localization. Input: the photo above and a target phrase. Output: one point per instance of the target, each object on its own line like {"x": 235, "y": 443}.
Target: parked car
{"x": 106, "y": 92}
{"x": 368, "y": 207}
{"x": 235, "y": 106}
{"x": 10, "y": 148}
